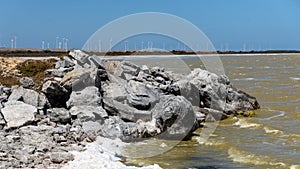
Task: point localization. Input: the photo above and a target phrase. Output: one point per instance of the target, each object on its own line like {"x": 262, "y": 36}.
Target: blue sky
{"x": 259, "y": 24}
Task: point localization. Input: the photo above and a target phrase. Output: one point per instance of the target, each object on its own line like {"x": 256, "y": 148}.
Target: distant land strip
{"x": 7, "y": 52}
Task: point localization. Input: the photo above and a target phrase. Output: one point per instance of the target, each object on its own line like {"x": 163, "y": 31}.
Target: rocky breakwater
{"x": 86, "y": 99}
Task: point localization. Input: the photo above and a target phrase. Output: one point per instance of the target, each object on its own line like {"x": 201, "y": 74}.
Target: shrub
{"x": 36, "y": 69}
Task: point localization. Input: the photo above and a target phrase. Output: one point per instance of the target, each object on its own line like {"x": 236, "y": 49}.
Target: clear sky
{"x": 259, "y": 24}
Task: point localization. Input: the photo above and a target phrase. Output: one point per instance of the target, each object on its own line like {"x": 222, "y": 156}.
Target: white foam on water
{"x": 291, "y": 136}
{"x": 295, "y": 78}
{"x": 207, "y": 142}
{"x": 281, "y": 114}
{"x": 245, "y": 79}
{"x": 243, "y": 123}
{"x": 295, "y": 167}
{"x": 269, "y": 130}
{"x": 243, "y": 157}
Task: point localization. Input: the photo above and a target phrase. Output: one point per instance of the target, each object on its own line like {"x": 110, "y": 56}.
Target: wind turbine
{"x": 43, "y": 44}
{"x": 142, "y": 45}
{"x": 56, "y": 46}
{"x": 48, "y": 45}
{"x": 66, "y": 44}
{"x": 15, "y": 41}
{"x": 12, "y": 43}
{"x": 63, "y": 43}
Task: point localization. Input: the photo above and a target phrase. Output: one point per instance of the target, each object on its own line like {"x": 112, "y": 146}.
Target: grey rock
{"x": 175, "y": 117}
{"x": 37, "y": 136}
{"x": 59, "y": 115}
{"x": 61, "y": 157}
{"x": 217, "y": 93}
{"x": 214, "y": 115}
{"x": 124, "y": 70}
{"x": 80, "y": 57}
{"x": 101, "y": 78}
{"x": 145, "y": 69}
{"x": 186, "y": 89}
{"x": 28, "y": 96}
{"x": 124, "y": 111}
{"x": 43, "y": 102}
{"x": 160, "y": 80}
{"x": 58, "y": 79}
{"x": 115, "y": 91}
{"x": 2, "y": 100}
{"x": 53, "y": 88}
{"x": 65, "y": 63}
{"x": 89, "y": 113}
{"x": 79, "y": 79}
{"x": 55, "y": 93}
{"x": 1, "y": 89}
{"x": 114, "y": 127}
{"x": 98, "y": 62}
{"x": 160, "y": 72}
{"x": 140, "y": 96}
{"x": 89, "y": 96}
{"x": 61, "y": 72}
{"x": 6, "y": 90}
{"x": 2, "y": 121}
{"x": 3, "y": 95}
{"x": 17, "y": 114}
{"x": 27, "y": 82}
{"x": 92, "y": 129}
{"x": 157, "y": 79}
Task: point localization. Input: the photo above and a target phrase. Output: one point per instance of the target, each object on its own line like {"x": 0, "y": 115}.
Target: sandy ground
{"x": 8, "y": 65}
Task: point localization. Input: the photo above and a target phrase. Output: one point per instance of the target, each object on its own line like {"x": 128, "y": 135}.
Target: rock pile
{"x": 88, "y": 97}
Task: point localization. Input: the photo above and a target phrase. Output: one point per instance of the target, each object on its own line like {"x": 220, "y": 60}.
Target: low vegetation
{"x": 8, "y": 80}
{"x": 36, "y": 69}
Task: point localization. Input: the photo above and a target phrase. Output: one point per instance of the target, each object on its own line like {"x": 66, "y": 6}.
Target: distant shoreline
{"x": 27, "y": 52}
